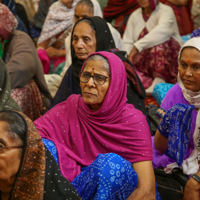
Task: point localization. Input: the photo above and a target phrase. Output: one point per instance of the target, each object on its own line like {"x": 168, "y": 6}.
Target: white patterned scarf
{"x": 58, "y": 19}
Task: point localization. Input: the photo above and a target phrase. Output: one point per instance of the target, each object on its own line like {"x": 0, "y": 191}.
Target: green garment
{"x": 6, "y": 101}
{"x": 1, "y": 49}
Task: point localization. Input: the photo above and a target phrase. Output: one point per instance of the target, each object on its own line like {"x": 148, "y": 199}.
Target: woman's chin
{"x": 192, "y": 88}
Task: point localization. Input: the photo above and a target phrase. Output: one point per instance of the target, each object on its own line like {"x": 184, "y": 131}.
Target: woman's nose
{"x": 91, "y": 82}
{"x": 188, "y": 71}
{"x": 80, "y": 43}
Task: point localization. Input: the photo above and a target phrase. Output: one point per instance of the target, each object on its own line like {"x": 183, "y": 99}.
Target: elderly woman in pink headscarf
{"x": 152, "y": 41}
{"x": 103, "y": 143}
{"x": 17, "y": 50}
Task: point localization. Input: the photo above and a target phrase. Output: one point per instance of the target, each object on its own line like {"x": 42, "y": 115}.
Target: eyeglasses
{"x": 97, "y": 78}
{"x": 8, "y": 147}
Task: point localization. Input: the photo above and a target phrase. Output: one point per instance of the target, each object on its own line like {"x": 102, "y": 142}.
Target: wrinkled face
{"x": 144, "y": 3}
{"x": 82, "y": 11}
{"x": 9, "y": 158}
{"x": 84, "y": 40}
{"x": 189, "y": 69}
{"x": 67, "y": 3}
{"x": 93, "y": 94}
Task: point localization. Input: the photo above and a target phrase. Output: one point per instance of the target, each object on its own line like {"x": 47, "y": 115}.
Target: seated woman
{"x": 186, "y": 91}
{"x": 11, "y": 5}
{"x": 41, "y": 12}
{"x": 6, "y": 101}
{"x": 57, "y": 26}
{"x": 87, "y": 8}
{"x": 152, "y": 41}
{"x": 88, "y": 36}
{"x": 28, "y": 170}
{"x": 182, "y": 10}
{"x": 88, "y": 128}
{"x": 26, "y": 74}
{"x": 118, "y": 11}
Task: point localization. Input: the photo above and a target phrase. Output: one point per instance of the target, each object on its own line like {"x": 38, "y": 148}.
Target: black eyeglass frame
{"x": 93, "y": 78}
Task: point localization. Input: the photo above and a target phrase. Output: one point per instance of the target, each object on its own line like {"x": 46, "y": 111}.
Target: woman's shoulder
{"x": 164, "y": 8}
{"x": 21, "y": 37}
{"x": 173, "y": 96}
{"x": 135, "y": 13}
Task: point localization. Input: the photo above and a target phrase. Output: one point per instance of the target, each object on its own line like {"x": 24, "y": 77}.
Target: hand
{"x": 191, "y": 190}
{"x": 53, "y": 52}
{"x": 133, "y": 52}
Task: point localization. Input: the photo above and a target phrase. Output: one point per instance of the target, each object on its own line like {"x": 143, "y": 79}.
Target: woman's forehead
{"x": 83, "y": 28}
{"x": 191, "y": 52}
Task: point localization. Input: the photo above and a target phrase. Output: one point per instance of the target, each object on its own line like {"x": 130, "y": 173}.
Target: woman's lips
{"x": 89, "y": 94}
{"x": 188, "y": 81}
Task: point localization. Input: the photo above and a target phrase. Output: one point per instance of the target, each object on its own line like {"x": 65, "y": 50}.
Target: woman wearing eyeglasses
{"x": 27, "y": 168}
{"x": 103, "y": 143}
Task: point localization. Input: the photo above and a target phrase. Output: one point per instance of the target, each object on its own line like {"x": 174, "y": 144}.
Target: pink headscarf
{"x": 7, "y": 22}
{"x": 80, "y": 133}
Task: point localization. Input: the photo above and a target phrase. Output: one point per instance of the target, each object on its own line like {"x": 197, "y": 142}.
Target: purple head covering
{"x": 80, "y": 133}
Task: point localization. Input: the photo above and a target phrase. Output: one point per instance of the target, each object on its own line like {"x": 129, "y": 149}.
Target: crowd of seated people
{"x": 75, "y": 79}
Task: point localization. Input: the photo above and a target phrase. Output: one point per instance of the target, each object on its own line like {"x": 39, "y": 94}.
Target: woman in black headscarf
{"x": 100, "y": 39}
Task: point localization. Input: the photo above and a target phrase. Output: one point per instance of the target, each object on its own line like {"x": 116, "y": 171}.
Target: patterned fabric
{"x": 58, "y": 19}
{"x": 196, "y": 33}
{"x": 173, "y": 97}
{"x": 11, "y": 6}
{"x": 51, "y": 147}
{"x": 118, "y": 173}
{"x": 80, "y": 133}
{"x": 158, "y": 61}
{"x": 39, "y": 176}
{"x": 108, "y": 177}
{"x": 31, "y": 177}
{"x": 7, "y": 22}
{"x": 6, "y": 101}
{"x": 42, "y": 10}
{"x": 160, "y": 90}
{"x": 29, "y": 99}
{"x": 176, "y": 126}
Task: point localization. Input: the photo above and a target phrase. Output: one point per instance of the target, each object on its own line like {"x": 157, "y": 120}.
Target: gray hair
{"x": 87, "y": 21}
{"x": 105, "y": 65}
{"x": 15, "y": 126}
{"x": 88, "y": 3}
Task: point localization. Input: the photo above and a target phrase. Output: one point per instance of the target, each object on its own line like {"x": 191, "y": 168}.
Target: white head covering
{"x": 193, "y": 42}
{"x": 97, "y": 8}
